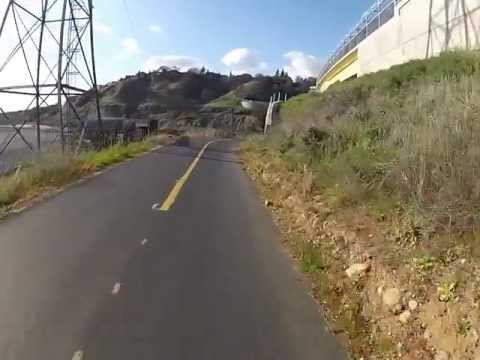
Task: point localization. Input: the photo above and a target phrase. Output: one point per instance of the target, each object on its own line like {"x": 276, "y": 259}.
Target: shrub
{"x": 411, "y": 133}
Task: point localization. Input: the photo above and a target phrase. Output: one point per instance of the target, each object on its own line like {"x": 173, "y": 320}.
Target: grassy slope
{"x": 227, "y": 101}
{"x": 232, "y": 100}
{"x": 410, "y": 134}
{"x": 257, "y": 89}
{"x": 391, "y": 162}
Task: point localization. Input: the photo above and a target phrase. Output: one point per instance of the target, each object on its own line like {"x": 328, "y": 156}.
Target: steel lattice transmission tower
{"x": 51, "y": 49}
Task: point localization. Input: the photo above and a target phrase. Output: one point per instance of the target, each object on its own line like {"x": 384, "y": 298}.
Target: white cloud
{"x": 244, "y": 60}
{"x": 155, "y": 29}
{"x": 102, "y": 28}
{"x": 301, "y": 64}
{"x": 183, "y": 63}
{"x": 130, "y": 46}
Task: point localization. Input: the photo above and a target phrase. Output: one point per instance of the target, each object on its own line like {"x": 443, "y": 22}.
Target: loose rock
{"x": 397, "y": 309}
{"x": 391, "y": 297}
{"x": 442, "y": 355}
{"x": 357, "y": 270}
{"x": 412, "y": 305}
{"x": 405, "y": 317}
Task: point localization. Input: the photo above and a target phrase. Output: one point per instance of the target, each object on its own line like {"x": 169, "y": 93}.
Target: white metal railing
{"x": 377, "y": 15}
{"x": 274, "y": 100}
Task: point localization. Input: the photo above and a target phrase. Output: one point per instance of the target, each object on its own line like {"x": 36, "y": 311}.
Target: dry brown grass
{"x": 422, "y": 148}
{"x": 325, "y": 239}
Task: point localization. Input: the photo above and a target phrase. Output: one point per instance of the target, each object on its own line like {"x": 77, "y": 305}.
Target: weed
{"x": 463, "y": 326}
{"x": 452, "y": 253}
{"x": 447, "y": 291}
{"x": 100, "y": 159}
{"x": 286, "y": 145}
{"x": 382, "y": 207}
{"x": 423, "y": 266}
{"x": 310, "y": 259}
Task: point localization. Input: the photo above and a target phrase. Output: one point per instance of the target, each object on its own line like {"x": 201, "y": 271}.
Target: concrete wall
{"x": 419, "y": 29}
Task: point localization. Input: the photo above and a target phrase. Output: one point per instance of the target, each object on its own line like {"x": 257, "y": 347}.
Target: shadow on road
{"x": 215, "y": 152}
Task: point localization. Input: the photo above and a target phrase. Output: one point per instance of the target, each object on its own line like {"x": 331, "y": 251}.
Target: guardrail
{"x": 378, "y": 14}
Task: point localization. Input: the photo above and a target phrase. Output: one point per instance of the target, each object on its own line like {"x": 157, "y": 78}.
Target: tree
{"x": 277, "y": 73}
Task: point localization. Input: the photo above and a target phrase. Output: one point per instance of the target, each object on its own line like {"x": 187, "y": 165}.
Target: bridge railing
{"x": 378, "y": 14}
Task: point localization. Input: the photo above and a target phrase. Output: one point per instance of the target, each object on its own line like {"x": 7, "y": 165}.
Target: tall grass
{"x": 53, "y": 170}
{"x": 411, "y": 133}
{"x": 96, "y": 160}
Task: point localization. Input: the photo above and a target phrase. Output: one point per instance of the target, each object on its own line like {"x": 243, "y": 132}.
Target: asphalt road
{"x": 95, "y": 274}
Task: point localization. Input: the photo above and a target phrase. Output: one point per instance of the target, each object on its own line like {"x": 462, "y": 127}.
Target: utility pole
{"x": 39, "y": 26}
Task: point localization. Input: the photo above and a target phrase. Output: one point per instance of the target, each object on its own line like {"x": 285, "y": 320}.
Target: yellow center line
{"x": 172, "y": 196}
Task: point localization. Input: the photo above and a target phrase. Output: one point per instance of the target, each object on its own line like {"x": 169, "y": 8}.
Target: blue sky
{"x": 253, "y": 36}
{"x": 224, "y": 35}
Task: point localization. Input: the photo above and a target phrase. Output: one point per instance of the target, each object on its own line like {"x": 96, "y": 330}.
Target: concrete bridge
{"x": 392, "y": 32}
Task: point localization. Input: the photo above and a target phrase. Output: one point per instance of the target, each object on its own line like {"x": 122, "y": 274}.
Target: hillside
{"x": 375, "y": 183}
{"x": 180, "y": 99}
{"x": 261, "y": 89}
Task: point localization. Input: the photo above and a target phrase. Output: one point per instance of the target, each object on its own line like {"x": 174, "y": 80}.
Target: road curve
{"x": 96, "y": 274}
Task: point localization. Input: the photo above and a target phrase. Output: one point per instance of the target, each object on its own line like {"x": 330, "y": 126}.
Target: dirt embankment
{"x": 382, "y": 295}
